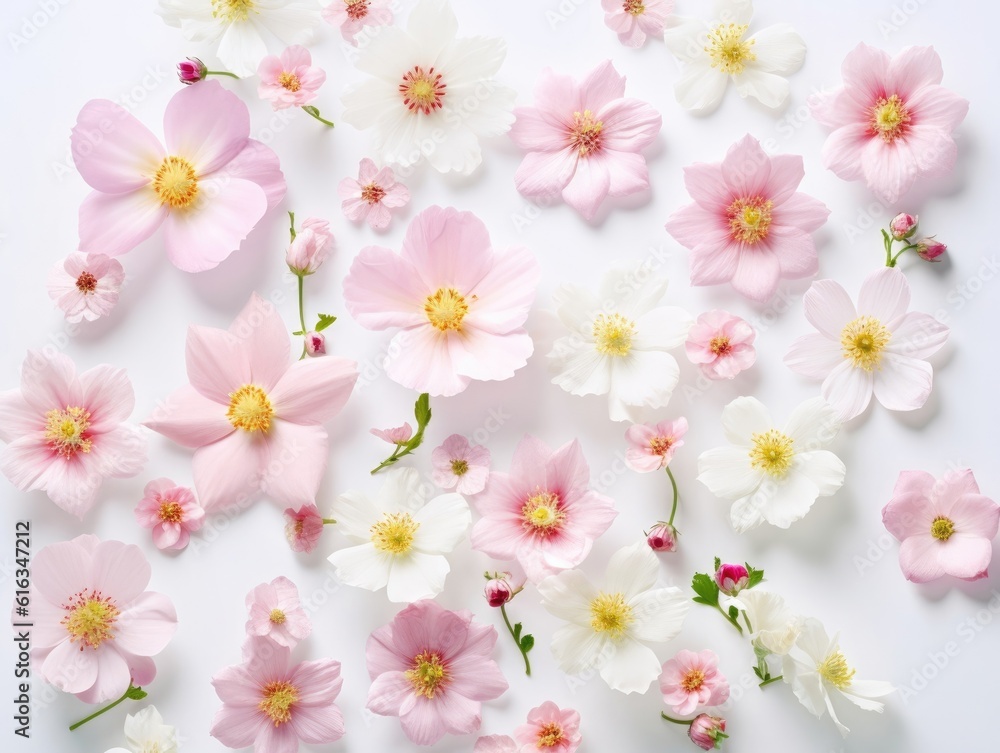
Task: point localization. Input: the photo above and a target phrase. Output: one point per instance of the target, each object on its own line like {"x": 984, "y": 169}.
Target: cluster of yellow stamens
{"x": 772, "y": 452}
{"x": 446, "y": 309}
{"x": 613, "y": 334}
{"x": 863, "y": 341}
{"x": 541, "y": 514}
{"x": 835, "y": 671}
{"x": 90, "y": 619}
{"x": 750, "y": 219}
{"x": 176, "y": 182}
{"x": 585, "y": 133}
{"x": 278, "y": 699}
{"x": 889, "y": 118}
{"x": 549, "y": 735}
{"x": 942, "y": 528}
{"x": 250, "y": 409}
{"x": 428, "y": 674}
{"x": 232, "y": 10}
{"x": 609, "y": 613}
{"x": 727, "y": 50}
{"x": 289, "y": 81}
{"x": 394, "y": 533}
{"x": 66, "y": 430}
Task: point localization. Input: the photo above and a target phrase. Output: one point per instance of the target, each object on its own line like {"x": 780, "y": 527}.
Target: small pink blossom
{"x": 191, "y": 71}
{"x": 707, "y": 732}
{"x": 372, "y": 195}
{"x": 722, "y": 344}
{"x": 353, "y": 15}
{"x": 313, "y": 243}
{"x": 691, "y": 680}
{"x": 303, "y": 527}
{"x": 929, "y": 249}
{"x": 731, "y": 579}
{"x": 276, "y": 613}
{"x": 634, "y": 20}
{"x": 549, "y": 728}
{"x": 315, "y": 343}
{"x": 171, "y": 511}
{"x": 498, "y": 590}
{"x": 903, "y": 226}
{"x": 86, "y": 287}
{"x": 395, "y": 435}
{"x": 495, "y": 744}
{"x": 662, "y": 538}
{"x": 945, "y": 526}
{"x": 289, "y": 79}
{"x": 460, "y": 466}
{"x": 652, "y": 446}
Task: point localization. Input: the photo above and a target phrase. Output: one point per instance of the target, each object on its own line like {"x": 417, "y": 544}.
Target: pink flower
{"x": 273, "y": 706}
{"x": 372, "y": 195}
{"x": 277, "y": 613}
{"x": 495, "y": 744}
{"x": 396, "y": 435}
{"x": 549, "y": 728}
{"x": 903, "y": 226}
{"x": 892, "y": 121}
{"x": 303, "y": 527}
{"x": 543, "y": 513}
{"x": 662, "y": 538}
{"x": 86, "y": 287}
{"x": 95, "y": 627}
{"x": 353, "y": 15}
{"x": 583, "y": 139}
{"x": 876, "y": 347}
{"x": 748, "y": 226}
{"x": 289, "y": 79}
{"x": 256, "y": 421}
{"x": 634, "y": 20}
{"x": 171, "y": 511}
{"x": 946, "y": 526}
{"x": 707, "y": 732}
{"x": 208, "y": 187}
{"x": 722, "y": 344}
{"x": 191, "y": 71}
{"x": 313, "y": 243}
{"x": 66, "y": 433}
{"x": 460, "y": 466}
{"x": 929, "y": 249}
{"x": 433, "y": 669}
{"x": 652, "y": 446}
{"x": 731, "y": 579}
{"x": 498, "y": 590}
{"x": 315, "y": 343}
{"x": 690, "y": 680}
{"x": 461, "y": 305}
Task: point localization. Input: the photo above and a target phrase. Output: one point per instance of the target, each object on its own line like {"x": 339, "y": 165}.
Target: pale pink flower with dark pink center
{"x": 276, "y": 613}
{"x": 662, "y": 538}
{"x": 171, "y": 511}
{"x": 634, "y": 20}
{"x": 691, "y": 680}
{"x": 892, "y": 120}
{"x": 721, "y": 344}
{"x": 748, "y": 226}
{"x": 433, "y": 668}
{"x": 372, "y": 195}
{"x": 550, "y": 728}
{"x": 351, "y": 16}
{"x": 289, "y": 79}
{"x": 460, "y": 466}
{"x": 86, "y": 287}
{"x": 652, "y": 446}
{"x": 583, "y": 139}
{"x": 395, "y": 435}
{"x": 543, "y": 513}
{"x": 303, "y": 527}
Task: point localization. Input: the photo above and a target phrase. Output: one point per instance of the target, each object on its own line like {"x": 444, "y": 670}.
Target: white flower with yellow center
{"x": 608, "y": 627}
{"x": 773, "y": 474}
{"x": 401, "y": 537}
{"x": 145, "y": 732}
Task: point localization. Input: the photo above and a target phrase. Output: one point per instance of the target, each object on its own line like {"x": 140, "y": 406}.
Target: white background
{"x": 838, "y": 564}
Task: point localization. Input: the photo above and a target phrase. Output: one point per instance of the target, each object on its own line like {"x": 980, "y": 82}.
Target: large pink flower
{"x": 86, "y": 287}
{"x": 892, "y": 121}
{"x": 550, "y": 728}
{"x": 432, "y": 668}
{"x": 256, "y": 420}
{"x": 95, "y": 627}
{"x": 460, "y": 304}
{"x": 946, "y": 526}
{"x": 65, "y": 432}
{"x": 748, "y": 226}
{"x": 634, "y": 20}
{"x": 543, "y": 513}
{"x": 691, "y": 680}
{"x": 583, "y": 139}
{"x": 208, "y": 187}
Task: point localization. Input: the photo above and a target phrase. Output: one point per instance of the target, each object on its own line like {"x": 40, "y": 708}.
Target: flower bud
{"x": 310, "y": 248}
{"x": 498, "y": 591}
{"x": 315, "y": 343}
{"x": 929, "y": 249}
{"x": 707, "y": 731}
{"x": 662, "y": 538}
{"x": 903, "y": 226}
{"x": 303, "y": 527}
{"x": 395, "y": 435}
{"x": 731, "y": 579}
{"x": 191, "y": 71}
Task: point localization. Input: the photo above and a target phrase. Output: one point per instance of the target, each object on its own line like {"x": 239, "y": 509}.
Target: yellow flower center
{"x": 634, "y": 7}
{"x": 541, "y": 513}
{"x": 660, "y": 445}
{"x": 86, "y": 283}
{"x": 942, "y": 528}
{"x": 394, "y": 533}
{"x": 459, "y": 467}
{"x": 90, "y": 620}
{"x": 720, "y": 346}
{"x": 176, "y": 183}
{"x": 835, "y": 671}
{"x": 610, "y": 614}
{"x": 279, "y": 697}
{"x": 446, "y": 309}
{"x": 889, "y": 118}
{"x": 250, "y": 409}
{"x": 613, "y": 334}
{"x": 863, "y": 341}
{"x": 65, "y": 430}
{"x": 171, "y": 511}
{"x": 585, "y": 133}
{"x": 727, "y": 50}
{"x": 772, "y": 452}
{"x": 549, "y": 735}
{"x": 750, "y": 219}
{"x": 232, "y": 10}
{"x": 277, "y": 617}
{"x": 693, "y": 679}
{"x": 423, "y": 91}
{"x": 428, "y": 674}
{"x": 372, "y": 193}
{"x": 289, "y": 81}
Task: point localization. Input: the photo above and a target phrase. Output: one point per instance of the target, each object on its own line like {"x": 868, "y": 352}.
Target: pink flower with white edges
{"x": 892, "y": 121}
{"x": 96, "y": 628}
{"x": 543, "y": 513}
{"x": 946, "y": 525}
{"x": 352, "y": 16}
{"x": 748, "y": 227}
{"x": 634, "y": 20}
{"x": 303, "y": 527}
{"x": 208, "y": 187}
{"x": 460, "y": 466}
{"x": 433, "y": 668}
{"x": 875, "y": 348}
{"x": 66, "y": 433}
{"x": 652, "y": 446}
{"x": 691, "y": 680}
{"x": 276, "y": 613}
{"x": 550, "y": 728}
{"x": 171, "y": 511}
{"x": 721, "y": 344}
{"x": 255, "y": 421}
{"x": 395, "y": 435}
{"x": 289, "y": 79}
{"x": 273, "y": 705}
{"x": 86, "y": 287}
{"x": 461, "y": 306}
{"x": 372, "y": 195}
{"x": 583, "y": 139}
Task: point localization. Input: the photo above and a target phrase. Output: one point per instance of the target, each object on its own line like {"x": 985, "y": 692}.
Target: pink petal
{"x": 903, "y": 383}
{"x": 107, "y": 395}
{"x": 72, "y": 670}
{"x": 538, "y": 129}
{"x": 239, "y": 726}
{"x": 61, "y": 570}
{"x": 314, "y": 390}
{"x": 421, "y": 359}
{"x": 113, "y": 676}
{"x": 787, "y": 171}
{"x": 975, "y": 515}
{"x": 318, "y": 725}
{"x": 217, "y": 364}
{"x": 938, "y": 108}
{"x": 757, "y": 274}
{"x": 795, "y": 251}
{"x": 693, "y": 225}
{"x": 113, "y": 224}
{"x": 383, "y": 290}
{"x": 919, "y": 558}
{"x": 918, "y": 336}
{"x": 629, "y": 173}
{"x": 829, "y": 308}
{"x": 848, "y": 389}
{"x": 227, "y": 472}
{"x": 112, "y": 150}
{"x": 746, "y": 168}
{"x": 589, "y": 186}
{"x": 546, "y": 174}
{"x": 505, "y": 294}
{"x": 629, "y": 125}
{"x": 866, "y": 68}
{"x": 448, "y": 248}
{"x": 843, "y": 151}
{"x": 148, "y": 624}
{"x": 261, "y": 332}
{"x": 966, "y": 557}
{"x": 885, "y": 295}
{"x": 207, "y": 125}
{"x": 888, "y": 168}
{"x": 912, "y": 69}
{"x": 190, "y": 419}
{"x": 707, "y": 186}
{"x": 801, "y": 212}
{"x": 277, "y": 739}
{"x": 297, "y": 456}
{"x": 388, "y": 692}
{"x": 259, "y": 163}
{"x": 916, "y": 482}
{"x": 602, "y": 85}
{"x": 908, "y": 514}
{"x": 16, "y": 416}
{"x": 119, "y": 570}
{"x": 485, "y": 356}
{"x": 560, "y": 93}
{"x": 424, "y": 722}
{"x": 814, "y": 356}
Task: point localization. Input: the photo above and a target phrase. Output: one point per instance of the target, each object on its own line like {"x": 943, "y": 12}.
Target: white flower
{"x": 431, "y": 95}
{"x": 816, "y": 665}
{"x": 714, "y": 52}
{"x": 238, "y": 25}
{"x": 773, "y": 474}
{"x": 145, "y": 732}
{"x": 609, "y": 627}
{"x": 775, "y": 626}
{"x": 402, "y": 538}
{"x": 618, "y": 341}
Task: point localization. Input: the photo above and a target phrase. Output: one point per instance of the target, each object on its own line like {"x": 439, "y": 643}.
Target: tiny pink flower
{"x": 929, "y": 249}
{"x": 289, "y": 79}
{"x": 498, "y": 590}
{"x": 86, "y": 287}
{"x": 372, "y": 195}
{"x": 634, "y": 20}
{"x": 662, "y": 538}
{"x": 731, "y": 579}
{"x": 707, "y": 732}
{"x": 353, "y": 15}
{"x": 549, "y": 728}
{"x": 276, "y": 613}
{"x": 652, "y": 446}
{"x": 903, "y": 226}
{"x": 303, "y": 527}
{"x": 171, "y": 511}
{"x": 315, "y": 343}
{"x": 722, "y": 344}
{"x": 691, "y": 680}
{"x": 460, "y": 466}
{"x": 495, "y": 744}
{"x": 395, "y": 435}
{"x": 191, "y": 71}
{"x": 313, "y": 243}
{"x": 945, "y": 526}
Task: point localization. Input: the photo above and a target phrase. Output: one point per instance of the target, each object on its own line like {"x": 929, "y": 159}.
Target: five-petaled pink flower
{"x": 634, "y": 20}
{"x": 460, "y": 466}
{"x": 543, "y": 513}
{"x": 303, "y": 527}
{"x": 289, "y": 79}
{"x": 748, "y": 225}
{"x": 691, "y": 680}
{"x": 171, "y": 511}
{"x": 353, "y": 15}
{"x": 276, "y": 613}
{"x": 432, "y": 668}
{"x": 721, "y": 344}
{"x": 892, "y": 120}
{"x": 256, "y": 421}
{"x": 372, "y": 195}
{"x": 549, "y": 728}
{"x": 583, "y": 139}
{"x": 652, "y": 446}
{"x": 86, "y": 287}
{"x": 96, "y": 628}
{"x": 208, "y": 187}
{"x": 946, "y": 525}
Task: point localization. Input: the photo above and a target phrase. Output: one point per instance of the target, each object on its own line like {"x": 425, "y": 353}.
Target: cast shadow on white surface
{"x": 983, "y": 590}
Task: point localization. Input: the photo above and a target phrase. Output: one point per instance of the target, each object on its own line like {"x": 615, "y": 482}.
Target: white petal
{"x": 683, "y": 37}
{"x": 813, "y": 424}
{"x": 789, "y": 500}
{"x": 662, "y": 328}
{"x": 903, "y": 383}
{"x": 567, "y": 595}
{"x": 779, "y": 49}
{"x": 747, "y": 513}
{"x": 727, "y": 472}
{"x": 659, "y": 614}
{"x": 576, "y": 649}
{"x": 885, "y": 295}
{"x": 630, "y": 290}
{"x": 416, "y": 576}
{"x": 744, "y": 417}
{"x": 443, "y": 523}
{"x": 576, "y": 308}
{"x": 630, "y": 667}
{"x": 848, "y": 389}
{"x": 700, "y": 87}
{"x": 579, "y": 368}
{"x": 355, "y": 514}
{"x": 401, "y": 490}
{"x": 770, "y": 89}
{"x": 824, "y": 469}
{"x": 362, "y": 566}
{"x": 241, "y": 49}
{"x": 642, "y": 378}
{"x": 632, "y": 570}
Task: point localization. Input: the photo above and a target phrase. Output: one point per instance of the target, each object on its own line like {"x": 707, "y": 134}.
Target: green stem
{"x": 733, "y": 622}
{"x": 396, "y": 455}
{"x": 329, "y": 521}
{"x": 221, "y": 73}
{"x": 673, "y": 483}
{"x": 127, "y": 694}
{"x": 517, "y": 642}
{"x": 747, "y": 621}
{"x": 686, "y": 722}
{"x": 892, "y": 261}
{"x": 315, "y": 113}
{"x": 769, "y": 680}
{"x": 302, "y": 315}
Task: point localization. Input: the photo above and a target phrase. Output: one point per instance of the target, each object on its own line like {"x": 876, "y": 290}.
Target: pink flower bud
{"x": 303, "y": 527}
{"x": 929, "y": 249}
{"x": 662, "y": 538}
{"x": 498, "y": 591}
{"x": 191, "y": 71}
{"x": 903, "y": 226}
{"x": 315, "y": 343}
{"x": 395, "y": 435}
{"x": 707, "y": 732}
{"x": 310, "y": 248}
{"x": 732, "y": 579}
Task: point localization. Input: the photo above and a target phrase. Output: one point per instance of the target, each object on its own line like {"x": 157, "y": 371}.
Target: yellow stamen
{"x": 373, "y": 193}
{"x": 171, "y": 511}
{"x": 610, "y": 614}
{"x": 613, "y": 334}
{"x": 423, "y": 91}
{"x": 693, "y": 680}
{"x": 176, "y": 183}
{"x": 720, "y": 345}
{"x": 394, "y": 533}
{"x": 277, "y": 617}
{"x": 86, "y": 283}
{"x": 289, "y": 81}
{"x": 90, "y": 619}
{"x": 660, "y": 445}
{"x": 727, "y": 50}
{"x": 750, "y": 219}
{"x": 459, "y": 467}
{"x": 835, "y": 671}
{"x": 549, "y": 735}
{"x": 772, "y": 452}
{"x": 585, "y": 133}
{"x": 232, "y": 10}
{"x": 65, "y": 430}
{"x": 427, "y": 675}
{"x": 250, "y": 409}
{"x": 889, "y": 118}
{"x": 942, "y": 528}
{"x": 446, "y": 309}
{"x": 541, "y": 513}
{"x": 279, "y": 697}
{"x": 634, "y": 7}
{"x": 863, "y": 341}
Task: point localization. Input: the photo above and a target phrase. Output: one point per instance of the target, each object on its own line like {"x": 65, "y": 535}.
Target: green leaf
{"x": 422, "y": 410}
{"x": 298, "y": 332}
{"x": 699, "y": 600}
{"x": 517, "y": 631}
{"x": 718, "y": 563}
{"x": 527, "y": 643}
{"x": 705, "y": 586}
{"x": 325, "y": 320}
{"x": 136, "y": 694}
{"x": 754, "y": 576}
{"x": 756, "y": 671}
{"x": 734, "y": 613}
